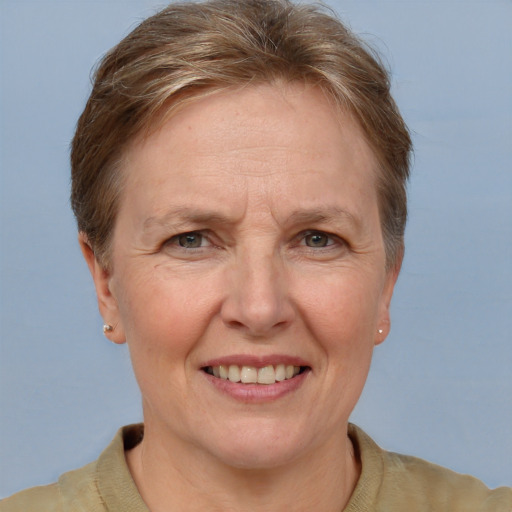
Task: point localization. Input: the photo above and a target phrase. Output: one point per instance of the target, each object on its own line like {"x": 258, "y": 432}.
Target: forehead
{"x": 252, "y": 142}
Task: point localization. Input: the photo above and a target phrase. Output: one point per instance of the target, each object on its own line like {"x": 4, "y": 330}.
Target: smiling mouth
{"x": 269, "y": 374}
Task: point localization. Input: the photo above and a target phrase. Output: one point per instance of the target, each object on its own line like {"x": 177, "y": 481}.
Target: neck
{"x": 172, "y": 476}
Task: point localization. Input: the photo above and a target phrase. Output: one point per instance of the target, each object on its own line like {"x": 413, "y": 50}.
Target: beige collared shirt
{"x": 388, "y": 483}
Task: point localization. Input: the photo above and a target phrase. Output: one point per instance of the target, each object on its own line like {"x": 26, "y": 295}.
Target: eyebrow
{"x": 187, "y": 214}
{"x": 327, "y": 214}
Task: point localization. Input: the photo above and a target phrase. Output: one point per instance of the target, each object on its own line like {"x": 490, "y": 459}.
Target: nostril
{"x": 254, "y": 329}
{"x": 235, "y": 324}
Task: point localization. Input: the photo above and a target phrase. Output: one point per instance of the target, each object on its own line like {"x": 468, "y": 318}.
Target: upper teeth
{"x": 252, "y": 375}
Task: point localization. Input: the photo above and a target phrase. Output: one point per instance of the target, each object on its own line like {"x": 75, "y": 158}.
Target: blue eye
{"x": 190, "y": 240}
{"x": 317, "y": 239}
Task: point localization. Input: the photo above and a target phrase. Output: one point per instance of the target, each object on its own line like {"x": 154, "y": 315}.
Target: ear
{"x": 384, "y": 320}
{"x": 107, "y": 303}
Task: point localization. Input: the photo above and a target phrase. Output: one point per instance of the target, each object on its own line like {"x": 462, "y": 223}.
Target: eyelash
{"x": 175, "y": 240}
{"x": 330, "y": 239}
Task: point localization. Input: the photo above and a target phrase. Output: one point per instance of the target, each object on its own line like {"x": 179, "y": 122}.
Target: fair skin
{"x": 248, "y": 234}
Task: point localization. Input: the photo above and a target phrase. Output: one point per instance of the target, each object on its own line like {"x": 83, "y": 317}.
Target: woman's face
{"x": 248, "y": 240}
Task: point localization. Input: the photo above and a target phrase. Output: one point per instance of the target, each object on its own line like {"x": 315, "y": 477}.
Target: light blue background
{"x": 441, "y": 385}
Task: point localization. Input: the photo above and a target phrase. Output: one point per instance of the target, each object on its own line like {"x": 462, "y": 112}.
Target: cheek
{"x": 342, "y": 309}
{"x": 163, "y": 319}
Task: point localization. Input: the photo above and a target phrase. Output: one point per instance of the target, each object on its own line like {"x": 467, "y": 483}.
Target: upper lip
{"x": 256, "y": 361}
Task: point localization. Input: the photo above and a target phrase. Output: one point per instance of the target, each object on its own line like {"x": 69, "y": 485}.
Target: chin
{"x": 258, "y": 457}
{"x": 258, "y": 447}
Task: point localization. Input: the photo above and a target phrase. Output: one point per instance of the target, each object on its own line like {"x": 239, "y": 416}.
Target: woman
{"x": 239, "y": 184}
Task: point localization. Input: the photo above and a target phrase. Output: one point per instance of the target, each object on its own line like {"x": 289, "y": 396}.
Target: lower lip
{"x": 257, "y": 393}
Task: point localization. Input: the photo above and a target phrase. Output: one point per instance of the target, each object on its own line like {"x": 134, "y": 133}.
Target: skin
{"x": 279, "y": 191}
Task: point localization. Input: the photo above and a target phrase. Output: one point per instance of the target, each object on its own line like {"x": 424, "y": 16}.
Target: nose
{"x": 257, "y": 298}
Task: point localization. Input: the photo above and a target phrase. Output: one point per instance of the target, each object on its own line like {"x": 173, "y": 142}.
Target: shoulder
{"x": 74, "y": 491}
{"x": 439, "y": 488}
{"x": 43, "y": 499}
{"x": 402, "y": 483}
{"x": 105, "y": 484}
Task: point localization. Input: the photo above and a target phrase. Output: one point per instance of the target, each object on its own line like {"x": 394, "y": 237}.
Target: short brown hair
{"x": 189, "y": 48}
